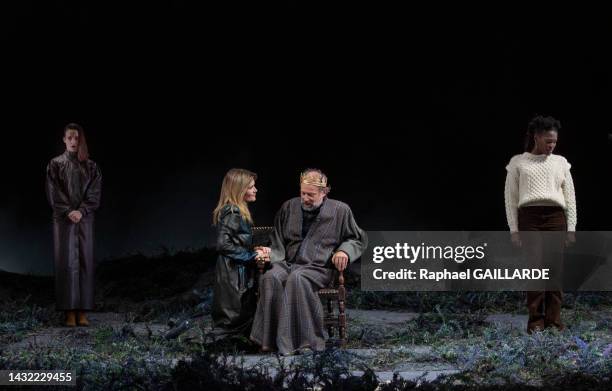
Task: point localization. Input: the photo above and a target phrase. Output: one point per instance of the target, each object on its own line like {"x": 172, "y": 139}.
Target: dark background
{"x": 412, "y": 117}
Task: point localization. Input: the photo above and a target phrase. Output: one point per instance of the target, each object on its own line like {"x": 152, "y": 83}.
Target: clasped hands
{"x": 263, "y": 254}
{"x": 75, "y": 216}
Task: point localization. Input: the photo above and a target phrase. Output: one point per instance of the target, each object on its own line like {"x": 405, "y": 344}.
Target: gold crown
{"x": 309, "y": 179}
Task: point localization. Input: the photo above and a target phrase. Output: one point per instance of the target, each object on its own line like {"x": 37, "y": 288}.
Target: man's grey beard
{"x": 311, "y": 208}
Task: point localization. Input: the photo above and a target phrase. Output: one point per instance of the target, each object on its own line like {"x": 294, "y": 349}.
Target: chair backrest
{"x": 262, "y": 236}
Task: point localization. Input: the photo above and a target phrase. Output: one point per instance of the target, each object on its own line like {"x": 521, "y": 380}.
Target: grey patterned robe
{"x": 289, "y": 314}
{"x": 73, "y": 185}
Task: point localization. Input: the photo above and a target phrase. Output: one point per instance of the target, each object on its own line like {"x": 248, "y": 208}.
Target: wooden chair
{"x": 335, "y": 292}
{"x": 333, "y": 318}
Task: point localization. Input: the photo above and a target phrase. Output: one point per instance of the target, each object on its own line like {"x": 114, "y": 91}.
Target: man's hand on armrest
{"x": 340, "y": 260}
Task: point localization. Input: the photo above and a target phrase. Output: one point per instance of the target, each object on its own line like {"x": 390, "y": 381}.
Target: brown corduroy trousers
{"x": 544, "y": 306}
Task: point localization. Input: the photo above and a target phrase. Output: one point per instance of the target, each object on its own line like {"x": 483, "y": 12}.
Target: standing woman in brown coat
{"x": 74, "y": 185}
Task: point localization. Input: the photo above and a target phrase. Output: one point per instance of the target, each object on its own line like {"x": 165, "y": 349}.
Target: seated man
{"x": 311, "y": 233}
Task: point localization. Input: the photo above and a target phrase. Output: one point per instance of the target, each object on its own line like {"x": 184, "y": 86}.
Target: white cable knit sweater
{"x": 539, "y": 179}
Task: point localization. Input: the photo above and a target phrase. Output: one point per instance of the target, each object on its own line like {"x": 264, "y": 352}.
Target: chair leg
{"x": 329, "y": 310}
{"x": 341, "y": 310}
{"x": 342, "y": 324}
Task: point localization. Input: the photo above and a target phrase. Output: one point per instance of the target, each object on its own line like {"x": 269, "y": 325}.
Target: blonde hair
{"x": 235, "y": 185}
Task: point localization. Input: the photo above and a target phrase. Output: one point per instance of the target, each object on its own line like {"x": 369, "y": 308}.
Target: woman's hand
{"x": 262, "y": 254}
{"x": 75, "y": 216}
{"x": 266, "y": 250}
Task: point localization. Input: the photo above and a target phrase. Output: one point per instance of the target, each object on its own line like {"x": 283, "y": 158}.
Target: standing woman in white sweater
{"x": 539, "y": 196}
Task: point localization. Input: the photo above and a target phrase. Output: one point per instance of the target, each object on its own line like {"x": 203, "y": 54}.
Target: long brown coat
{"x": 73, "y": 185}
